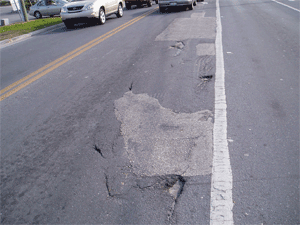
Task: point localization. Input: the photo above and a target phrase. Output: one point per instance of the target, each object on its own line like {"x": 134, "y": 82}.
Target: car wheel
{"x": 128, "y": 6}
{"x": 69, "y": 24}
{"x": 120, "y": 11}
{"x": 102, "y": 17}
{"x": 38, "y": 15}
{"x": 149, "y": 4}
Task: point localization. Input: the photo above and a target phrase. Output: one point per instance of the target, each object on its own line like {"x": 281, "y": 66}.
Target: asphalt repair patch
{"x": 159, "y": 141}
{"x": 196, "y": 27}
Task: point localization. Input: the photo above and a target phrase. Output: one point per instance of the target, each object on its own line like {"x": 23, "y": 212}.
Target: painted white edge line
{"x": 221, "y": 203}
{"x": 286, "y": 5}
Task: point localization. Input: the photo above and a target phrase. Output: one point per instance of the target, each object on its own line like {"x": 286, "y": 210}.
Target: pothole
{"x": 179, "y": 46}
{"x": 206, "y": 77}
{"x": 176, "y": 188}
{"x": 175, "y": 191}
{"x": 204, "y": 80}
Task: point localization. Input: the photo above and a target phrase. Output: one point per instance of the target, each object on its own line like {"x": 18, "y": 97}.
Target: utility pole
{"x": 23, "y": 10}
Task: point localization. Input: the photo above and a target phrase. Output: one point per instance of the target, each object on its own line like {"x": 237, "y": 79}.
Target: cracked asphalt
{"x": 98, "y": 150}
{"x": 122, "y": 133}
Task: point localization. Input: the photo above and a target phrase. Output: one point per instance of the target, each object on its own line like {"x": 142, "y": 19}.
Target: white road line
{"x": 286, "y": 5}
{"x": 221, "y": 203}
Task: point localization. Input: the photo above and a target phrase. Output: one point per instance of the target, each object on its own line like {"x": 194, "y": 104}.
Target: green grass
{"x": 17, "y": 29}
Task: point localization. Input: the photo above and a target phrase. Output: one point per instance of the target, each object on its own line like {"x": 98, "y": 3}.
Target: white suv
{"x": 79, "y": 10}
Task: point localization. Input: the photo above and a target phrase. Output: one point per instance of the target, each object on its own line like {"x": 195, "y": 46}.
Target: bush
{"x": 29, "y": 3}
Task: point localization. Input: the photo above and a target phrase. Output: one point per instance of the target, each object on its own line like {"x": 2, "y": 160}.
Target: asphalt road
{"x": 121, "y": 130}
{"x": 261, "y": 49}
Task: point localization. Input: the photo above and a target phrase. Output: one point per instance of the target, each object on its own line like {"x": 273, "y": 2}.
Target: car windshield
{"x": 80, "y": 0}
{"x": 40, "y": 3}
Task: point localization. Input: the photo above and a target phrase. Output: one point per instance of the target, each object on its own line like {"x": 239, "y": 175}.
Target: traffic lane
{"x": 108, "y": 52}
{"x": 41, "y": 49}
{"x": 61, "y": 100}
{"x": 261, "y": 50}
{"x": 51, "y": 128}
{"x": 13, "y": 88}
{"x": 44, "y": 48}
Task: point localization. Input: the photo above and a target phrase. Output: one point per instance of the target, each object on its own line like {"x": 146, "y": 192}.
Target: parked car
{"x": 138, "y": 3}
{"x": 79, "y": 10}
{"x": 163, "y": 4}
{"x": 46, "y": 8}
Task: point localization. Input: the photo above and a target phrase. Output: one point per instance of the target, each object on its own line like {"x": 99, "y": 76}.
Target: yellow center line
{"x": 9, "y": 90}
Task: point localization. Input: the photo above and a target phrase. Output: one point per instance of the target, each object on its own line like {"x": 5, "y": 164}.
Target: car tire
{"x": 38, "y": 15}
{"x": 120, "y": 11}
{"x": 149, "y": 4}
{"x": 102, "y": 16}
{"x": 128, "y": 6}
{"x": 69, "y": 25}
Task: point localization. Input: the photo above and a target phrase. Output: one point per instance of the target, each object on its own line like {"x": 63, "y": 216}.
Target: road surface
{"x": 186, "y": 116}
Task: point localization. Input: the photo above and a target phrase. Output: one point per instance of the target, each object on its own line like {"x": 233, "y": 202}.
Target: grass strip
{"x": 17, "y": 29}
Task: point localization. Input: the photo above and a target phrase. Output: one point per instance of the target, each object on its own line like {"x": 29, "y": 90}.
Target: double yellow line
{"x": 18, "y": 85}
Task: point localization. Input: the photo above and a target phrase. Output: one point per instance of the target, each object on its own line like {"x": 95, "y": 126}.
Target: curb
{"x": 10, "y": 41}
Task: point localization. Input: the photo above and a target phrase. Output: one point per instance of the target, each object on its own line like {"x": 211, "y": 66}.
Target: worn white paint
{"x": 221, "y": 183}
